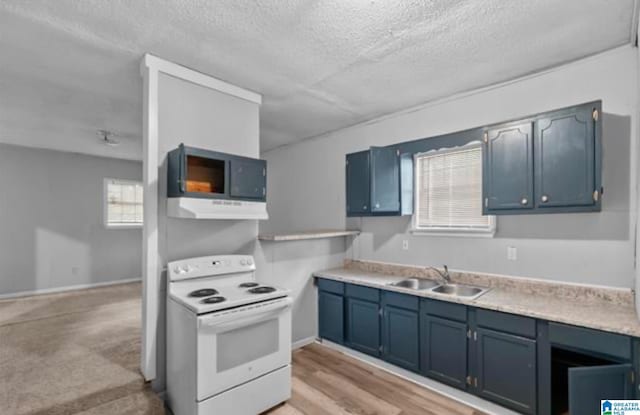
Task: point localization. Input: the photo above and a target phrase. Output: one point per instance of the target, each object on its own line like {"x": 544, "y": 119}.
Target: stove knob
{"x": 177, "y": 270}
{"x": 243, "y": 262}
{"x": 249, "y": 261}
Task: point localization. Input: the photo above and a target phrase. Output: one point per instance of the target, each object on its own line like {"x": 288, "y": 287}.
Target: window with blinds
{"x": 123, "y": 203}
{"x": 449, "y": 192}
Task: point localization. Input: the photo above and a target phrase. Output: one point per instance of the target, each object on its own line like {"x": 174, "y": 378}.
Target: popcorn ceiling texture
{"x": 69, "y": 67}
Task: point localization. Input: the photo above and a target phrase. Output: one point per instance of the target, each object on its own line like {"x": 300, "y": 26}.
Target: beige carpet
{"x": 74, "y": 353}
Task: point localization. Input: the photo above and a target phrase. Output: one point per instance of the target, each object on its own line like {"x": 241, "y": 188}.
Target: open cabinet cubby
{"x": 205, "y": 175}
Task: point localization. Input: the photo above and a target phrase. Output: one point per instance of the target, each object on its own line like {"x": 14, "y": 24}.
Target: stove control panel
{"x": 209, "y": 266}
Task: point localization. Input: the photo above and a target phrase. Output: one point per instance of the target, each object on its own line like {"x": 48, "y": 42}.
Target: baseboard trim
{"x": 451, "y": 393}
{"x": 65, "y": 289}
{"x": 303, "y": 342}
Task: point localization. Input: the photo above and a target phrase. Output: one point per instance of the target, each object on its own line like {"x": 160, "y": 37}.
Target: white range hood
{"x": 198, "y": 208}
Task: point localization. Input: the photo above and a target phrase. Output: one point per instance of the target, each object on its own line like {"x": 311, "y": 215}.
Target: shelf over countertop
{"x": 299, "y": 236}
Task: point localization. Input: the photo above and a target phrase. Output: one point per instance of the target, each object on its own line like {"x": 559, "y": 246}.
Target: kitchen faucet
{"x": 443, "y": 274}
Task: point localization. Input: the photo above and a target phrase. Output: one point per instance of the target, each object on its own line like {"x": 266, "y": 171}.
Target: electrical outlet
{"x": 512, "y": 253}
{"x": 405, "y": 244}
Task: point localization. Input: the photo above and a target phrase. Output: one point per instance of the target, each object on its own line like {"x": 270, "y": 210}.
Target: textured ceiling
{"x": 69, "y": 67}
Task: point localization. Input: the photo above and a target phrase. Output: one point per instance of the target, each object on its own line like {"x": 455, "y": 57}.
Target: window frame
{"x": 488, "y": 232}
{"x": 105, "y": 205}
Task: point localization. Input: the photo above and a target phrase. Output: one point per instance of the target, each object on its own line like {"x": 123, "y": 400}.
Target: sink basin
{"x": 415, "y": 284}
{"x": 460, "y": 290}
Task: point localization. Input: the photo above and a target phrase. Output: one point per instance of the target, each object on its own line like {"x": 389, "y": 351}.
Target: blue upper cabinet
{"x": 385, "y": 180}
{"x": 567, "y": 159}
{"x": 199, "y": 173}
{"x": 508, "y": 172}
{"x": 548, "y": 163}
{"x": 358, "y": 192}
{"x": 248, "y": 178}
{"x": 379, "y": 182}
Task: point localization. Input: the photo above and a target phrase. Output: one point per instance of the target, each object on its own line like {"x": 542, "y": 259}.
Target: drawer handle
{"x": 544, "y": 198}
{"x": 524, "y": 201}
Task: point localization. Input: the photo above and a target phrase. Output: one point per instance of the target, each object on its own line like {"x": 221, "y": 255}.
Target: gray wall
{"x": 291, "y": 264}
{"x": 306, "y": 181}
{"x": 52, "y": 232}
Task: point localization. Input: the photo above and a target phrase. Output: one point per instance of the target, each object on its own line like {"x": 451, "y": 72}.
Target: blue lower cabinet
{"x": 589, "y": 385}
{"x": 528, "y": 365}
{"x": 506, "y": 370}
{"x": 444, "y": 350}
{"x": 331, "y": 316}
{"x": 363, "y": 326}
{"x": 400, "y": 337}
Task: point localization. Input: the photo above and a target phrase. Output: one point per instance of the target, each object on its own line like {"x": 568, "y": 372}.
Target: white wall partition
{"x": 185, "y": 106}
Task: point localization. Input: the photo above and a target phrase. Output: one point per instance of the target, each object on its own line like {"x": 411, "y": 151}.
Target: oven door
{"x": 237, "y": 345}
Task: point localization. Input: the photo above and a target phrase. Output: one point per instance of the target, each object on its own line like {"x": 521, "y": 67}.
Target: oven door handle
{"x": 231, "y": 321}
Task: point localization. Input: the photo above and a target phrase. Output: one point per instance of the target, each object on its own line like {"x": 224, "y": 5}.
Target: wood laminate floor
{"x": 79, "y": 353}
{"x": 327, "y": 382}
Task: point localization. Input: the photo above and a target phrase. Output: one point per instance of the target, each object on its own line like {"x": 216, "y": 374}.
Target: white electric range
{"x": 228, "y": 338}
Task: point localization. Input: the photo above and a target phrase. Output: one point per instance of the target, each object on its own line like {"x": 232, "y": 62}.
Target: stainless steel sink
{"x": 415, "y": 284}
{"x": 460, "y": 290}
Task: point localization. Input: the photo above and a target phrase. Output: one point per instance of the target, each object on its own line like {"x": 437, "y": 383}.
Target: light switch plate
{"x": 512, "y": 253}
{"x": 405, "y": 244}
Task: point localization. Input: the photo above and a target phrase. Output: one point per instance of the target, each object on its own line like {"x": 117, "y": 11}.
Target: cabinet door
{"x": 331, "y": 316}
{"x": 363, "y": 326}
{"x": 400, "y": 341}
{"x": 385, "y": 180}
{"x": 506, "y": 370}
{"x": 508, "y": 168}
{"x": 443, "y": 348}
{"x": 357, "y": 176}
{"x": 565, "y": 159}
{"x": 248, "y": 179}
{"x": 176, "y": 175}
{"x": 588, "y": 385}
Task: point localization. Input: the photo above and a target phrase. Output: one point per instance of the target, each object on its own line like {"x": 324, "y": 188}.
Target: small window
{"x": 123, "y": 203}
{"x": 449, "y": 193}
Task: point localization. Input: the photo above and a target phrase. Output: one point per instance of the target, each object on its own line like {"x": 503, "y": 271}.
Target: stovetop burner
{"x": 262, "y": 290}
{"x": 205, "y": 292}
{"x": 213, "y": 300}
{"x": 248, "y": 284}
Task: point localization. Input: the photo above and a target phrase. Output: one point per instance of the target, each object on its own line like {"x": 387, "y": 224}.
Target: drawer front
{"x": 331, "y": 286}
{"x": 508, "y": 323}
{"x": 407, "y": 301}
{"x": 444, "y": 309}
{"x": 610, "y": 344}
{"x": 363, "y": 293}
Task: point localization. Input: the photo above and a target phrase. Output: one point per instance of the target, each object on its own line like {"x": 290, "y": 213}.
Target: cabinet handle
{"x": 377, "y": 205}
{"x": 364, "y": 207}
{"x": 544, "y": 198}
{"x": 524, "y": 201}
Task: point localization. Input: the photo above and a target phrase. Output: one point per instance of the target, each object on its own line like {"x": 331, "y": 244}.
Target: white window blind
{"x": 449, "y": 192}
{"x": 123, "y": 203}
